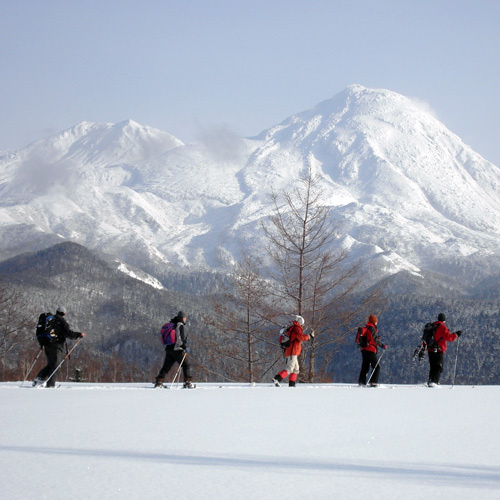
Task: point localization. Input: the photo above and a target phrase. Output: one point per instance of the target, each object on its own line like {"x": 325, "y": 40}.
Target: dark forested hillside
{"x": 401, "y": 328}
{"x": 122, "y": 317}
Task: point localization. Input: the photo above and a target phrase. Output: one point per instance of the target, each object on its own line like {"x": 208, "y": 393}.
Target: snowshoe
{"x": 38, "y": 382}
{"x": 158, "y": 383}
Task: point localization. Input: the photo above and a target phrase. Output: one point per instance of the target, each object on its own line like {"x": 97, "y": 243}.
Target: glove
{"x": 385, "y": 346}
{"x": 311, "y": 335}
{"x": 421, "y": 356}
{"x": 185, "y": 348}
{"x": 458, "y": 333}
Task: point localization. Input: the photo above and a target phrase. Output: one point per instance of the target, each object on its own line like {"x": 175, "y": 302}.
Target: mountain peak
{"x": 411, "y": 194}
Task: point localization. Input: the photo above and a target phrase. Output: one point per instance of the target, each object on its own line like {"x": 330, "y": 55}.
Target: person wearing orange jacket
{"x": 292, "y": 352}
{"x": 369, "y": 353}
{"x": 436, "y": 352}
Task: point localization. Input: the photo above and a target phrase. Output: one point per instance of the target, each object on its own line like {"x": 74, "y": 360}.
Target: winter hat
{"x": 299, "y": 320}
{"x": 441, "y": 317}
{"x": 61, "y": 310}
{"x": 180, "y": 314}
{"x": 373, "y": 319}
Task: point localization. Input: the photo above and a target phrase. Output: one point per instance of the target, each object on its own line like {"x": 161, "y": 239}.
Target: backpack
{"x": 362, "y": 337}
{"x": 46, "y": 329}
{"x": 168, "y": 336}
{"x": 428, "y": 335}
{"x": 284, "y": 338}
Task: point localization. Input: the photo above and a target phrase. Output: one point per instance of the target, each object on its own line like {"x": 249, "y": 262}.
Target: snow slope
{"x": 412, "y": 196}
{"x": 126, "y": 441}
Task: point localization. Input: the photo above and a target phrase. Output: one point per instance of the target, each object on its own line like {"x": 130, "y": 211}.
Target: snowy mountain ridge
{"x": 412, "y": 196}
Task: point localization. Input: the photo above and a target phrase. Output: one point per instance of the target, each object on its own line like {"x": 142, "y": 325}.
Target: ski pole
{"x": 32, "y": 365}
{"x": 279, "y": 357}
{"x": 178, "y": 372}
{"x": 44, "y": 383}
{"x": 456, "y": 359}
{"x": 373, "y": 371}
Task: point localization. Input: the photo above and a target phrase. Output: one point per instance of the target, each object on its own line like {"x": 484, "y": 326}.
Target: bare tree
{"x": 239, "y": 321}
{"x": 17, "y": 323}
{"x": 311, "y": 279}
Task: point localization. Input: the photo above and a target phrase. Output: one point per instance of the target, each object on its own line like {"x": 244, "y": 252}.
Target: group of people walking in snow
{"x": 369, "y": 348}
{"x": 175, "y": 339}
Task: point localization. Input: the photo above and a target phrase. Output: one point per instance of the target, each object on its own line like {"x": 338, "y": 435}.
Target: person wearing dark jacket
{"x": 436, "y": 353}
{"x": 54, "y": 350}
{"x": 292, "y": 352}
{"x": 369, "y": 353}
{"x": 177, "y": 353}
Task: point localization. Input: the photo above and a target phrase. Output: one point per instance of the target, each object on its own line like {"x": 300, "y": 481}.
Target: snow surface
{"x": 236, "y": 441}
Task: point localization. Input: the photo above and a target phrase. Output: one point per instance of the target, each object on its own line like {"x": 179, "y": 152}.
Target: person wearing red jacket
{"x": 369, "y": 353}
{"x": 292, "y": 352}
{"x": 436, "y": 352}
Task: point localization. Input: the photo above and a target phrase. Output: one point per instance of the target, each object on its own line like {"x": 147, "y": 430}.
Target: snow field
{"x": 226, "y": 441}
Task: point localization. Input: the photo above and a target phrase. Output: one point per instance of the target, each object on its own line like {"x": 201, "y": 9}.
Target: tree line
{"x": 234, "y": 318}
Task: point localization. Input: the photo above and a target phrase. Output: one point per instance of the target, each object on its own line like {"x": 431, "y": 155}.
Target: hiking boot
{"x": 38, "y": 381}
{"x": 159, "y": 382}
{"x": 277, "y": 380}
{"x": 291, "y": 383}
{"x": 373, "y": 385}
{"x": 189, "y": 385}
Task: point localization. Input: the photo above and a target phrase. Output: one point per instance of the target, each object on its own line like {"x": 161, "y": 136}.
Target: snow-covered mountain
{"x": 411, "y": 194}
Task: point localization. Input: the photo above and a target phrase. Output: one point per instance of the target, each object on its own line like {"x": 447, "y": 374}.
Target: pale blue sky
{"x": 187, "y": 65}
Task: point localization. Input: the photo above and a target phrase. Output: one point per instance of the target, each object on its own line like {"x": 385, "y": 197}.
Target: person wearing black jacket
{"x": 54, "y": 350}
{"x": 177, "y": 353}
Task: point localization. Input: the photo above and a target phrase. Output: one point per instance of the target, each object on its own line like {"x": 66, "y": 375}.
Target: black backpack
{"x": 428, "y": 335}
{"x": 46, "y": 329}
{"x": 361, "y": 337}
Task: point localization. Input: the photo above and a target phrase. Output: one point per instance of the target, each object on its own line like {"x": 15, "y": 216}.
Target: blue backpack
{"x": 46, "y": 329}
{"x": 168, "y": 334}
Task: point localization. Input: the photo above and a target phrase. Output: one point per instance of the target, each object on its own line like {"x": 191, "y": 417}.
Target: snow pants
{"x": 54, "y": 354}
{"x": 171, "y": 357}
{"x": 369, "y": 359}
{"x": 436, "y": 366}
{"x": 292, "y": 368}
